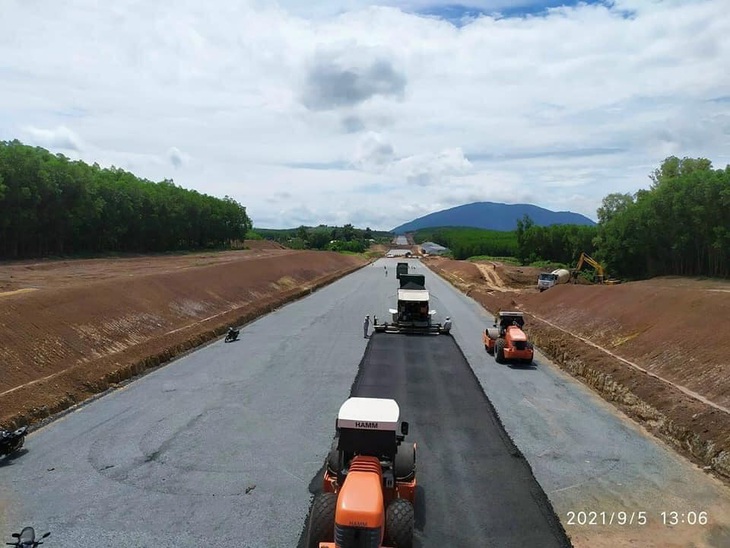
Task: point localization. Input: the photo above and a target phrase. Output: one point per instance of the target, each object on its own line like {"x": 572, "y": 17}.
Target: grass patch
{"x": 506, "y": 260}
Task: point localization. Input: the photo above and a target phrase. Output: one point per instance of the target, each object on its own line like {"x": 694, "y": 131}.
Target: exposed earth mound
{"x": 71, "y": 329}
{"x": 658, "y": 349}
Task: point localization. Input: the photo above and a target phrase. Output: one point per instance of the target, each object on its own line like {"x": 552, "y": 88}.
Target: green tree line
{"x": 52, "y": 205}
{"x": 323, "y": 237}
{"x": 555, "y": 243}
{"x": 468, "y": 242}
{"x": 679, "y": 226}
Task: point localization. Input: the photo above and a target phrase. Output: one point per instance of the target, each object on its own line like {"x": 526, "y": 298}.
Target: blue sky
{"x": 372, "y": 112}
{"x": 456, "y": 13}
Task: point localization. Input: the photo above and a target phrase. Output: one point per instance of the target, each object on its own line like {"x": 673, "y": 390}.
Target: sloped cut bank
{"x": 61, "y": 347}
{"x": 695, "y": 429}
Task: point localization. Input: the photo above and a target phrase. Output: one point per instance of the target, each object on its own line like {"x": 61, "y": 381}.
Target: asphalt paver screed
{"x": 475, "y": 488}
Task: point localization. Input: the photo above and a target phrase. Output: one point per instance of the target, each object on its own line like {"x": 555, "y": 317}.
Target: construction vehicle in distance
{"x": 369, "y": 487}
{"x": 400, "y": 269}
{"x": 413, "y": 315}
{"x": 600, "y": 274}
{"x": 412, "y": 281}
{"x": 506, "y": 339}
{"x": 547, "y": 280}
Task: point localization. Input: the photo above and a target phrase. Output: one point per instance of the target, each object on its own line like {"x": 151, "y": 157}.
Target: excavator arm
{"x": 591, "y": 261}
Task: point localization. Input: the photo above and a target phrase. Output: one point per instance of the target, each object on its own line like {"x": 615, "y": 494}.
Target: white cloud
{"x": 373, "y": 152}
{"x": 350, "y": 111}
{"x": 431, "y": 169}
{"x": 376, "y": 154}
{"x": 177, "y": 158}
{"x": 58, "y": 138}
{"x": 349, "y": 75}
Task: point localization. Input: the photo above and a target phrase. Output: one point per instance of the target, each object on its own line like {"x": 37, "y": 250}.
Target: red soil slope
{"x": 674, "y": 328}
{"x": 93, "y": 323}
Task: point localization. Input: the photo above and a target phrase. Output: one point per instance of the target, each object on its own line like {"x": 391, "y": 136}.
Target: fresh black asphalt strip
{"x": 475, "y": 488}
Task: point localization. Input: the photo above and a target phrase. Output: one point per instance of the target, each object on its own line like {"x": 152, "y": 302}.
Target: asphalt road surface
{"x": 477, "y": 489}
{"x": 221, "y": 445}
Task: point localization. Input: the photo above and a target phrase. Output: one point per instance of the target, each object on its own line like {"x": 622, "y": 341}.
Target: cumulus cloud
{"x": 352, "y": 106}
{"x": 60, "y": 137}
{"x": 349, "y": 77}
{"x": 376, "y": 154}
{"x": 373, "y": 152}
{"x": 352, "y": 124}
{"x": 432, "y": 169}
{"x": 177, "y": 158}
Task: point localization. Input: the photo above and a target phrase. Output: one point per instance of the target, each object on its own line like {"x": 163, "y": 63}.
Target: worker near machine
{"x": 496, "y": 315}
{"x": 366, "y": 326}
{"x": 447, "y": 325}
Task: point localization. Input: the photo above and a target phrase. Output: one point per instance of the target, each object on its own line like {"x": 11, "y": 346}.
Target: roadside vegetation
{"x": 512, "y": 261}
{"x": 469, "y": 242}
{"x": 54, "y": 206}
{"x": 679, "y": 226}
{"x": 555, "y": 244}
{"x": 344, "y": 239}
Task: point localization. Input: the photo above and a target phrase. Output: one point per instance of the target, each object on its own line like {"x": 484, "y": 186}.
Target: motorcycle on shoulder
{"x": 10, "y": 442}
{"x": 232, "y": 334}
{"x": 26, "y": 538}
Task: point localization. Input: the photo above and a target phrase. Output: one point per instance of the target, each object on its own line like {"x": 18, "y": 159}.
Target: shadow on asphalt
{"x": 522, "y": 366}
{"x": 315, "y": 488}
{"x": 8, "y": 459}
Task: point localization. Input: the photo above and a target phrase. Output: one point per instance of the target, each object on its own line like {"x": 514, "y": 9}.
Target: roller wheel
{"x": 399, "y": 523}
{"x": 532, "y": 349}
{"x": 333, "y": 459}
{"x": 405, "y": 462}
{"x": 321, "y": 527}
{"x": 499, "y": 350}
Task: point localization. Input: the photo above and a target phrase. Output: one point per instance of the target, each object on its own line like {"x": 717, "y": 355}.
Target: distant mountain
{"x": 493, "y": 216}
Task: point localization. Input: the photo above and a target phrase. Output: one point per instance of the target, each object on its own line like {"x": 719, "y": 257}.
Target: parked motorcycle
{"x": 26, "y": 538}
{"x": 232, "y": 334}
{"x": 10, "y": 442}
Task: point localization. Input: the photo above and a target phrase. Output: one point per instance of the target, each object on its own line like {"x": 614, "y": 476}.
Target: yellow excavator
{"x": 600, "y": 274}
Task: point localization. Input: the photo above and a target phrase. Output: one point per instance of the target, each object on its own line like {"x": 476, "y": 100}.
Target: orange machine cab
{"x": 369, "y": 482}
{"x": 507, "y": 341}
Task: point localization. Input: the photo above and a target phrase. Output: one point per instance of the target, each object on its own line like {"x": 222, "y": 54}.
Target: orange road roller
{"x": 369, "y": 484}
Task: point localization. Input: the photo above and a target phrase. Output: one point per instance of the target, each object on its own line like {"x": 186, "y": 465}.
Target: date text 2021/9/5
{"x": 626, "y": 517}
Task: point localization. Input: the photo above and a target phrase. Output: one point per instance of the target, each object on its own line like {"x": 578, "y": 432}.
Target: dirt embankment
{"x": 262, "y": 244}
{"x": 72, "y": 329}
{"x": 675, "y": 330}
